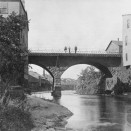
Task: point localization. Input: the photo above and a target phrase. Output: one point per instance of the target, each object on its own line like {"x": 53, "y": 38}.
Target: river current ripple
{"x": 96, "y": 113}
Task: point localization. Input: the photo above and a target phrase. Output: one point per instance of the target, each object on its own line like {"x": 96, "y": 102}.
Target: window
{"x": 126, "y": 40}
{"x": 126, "y": 57}
{"x": 3, "y": 8}
{"x": 128, "y": 23}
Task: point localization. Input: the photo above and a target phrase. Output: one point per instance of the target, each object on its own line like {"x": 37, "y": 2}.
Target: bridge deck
{"x": 76, "y": 54}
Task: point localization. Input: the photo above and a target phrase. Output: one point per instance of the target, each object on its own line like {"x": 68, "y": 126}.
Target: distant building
{"x": 17, "y": 6}
{"x": 115, "y": 46}
{"x": 127, "y": 40}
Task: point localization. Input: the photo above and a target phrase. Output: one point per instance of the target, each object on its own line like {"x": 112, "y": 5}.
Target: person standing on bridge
{"x": 75, "y": 49}
{"x": 65, "y": 49}
{"x": 69, "y": 50}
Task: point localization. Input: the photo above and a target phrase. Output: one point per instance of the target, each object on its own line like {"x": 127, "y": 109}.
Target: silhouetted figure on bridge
{"x": 75, "y": 49}
{"x": 65, "y": 49}
{"x": 69, "y": 50}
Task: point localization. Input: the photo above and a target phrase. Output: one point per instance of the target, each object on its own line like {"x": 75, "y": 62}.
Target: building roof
{"x": 119, "y": 43}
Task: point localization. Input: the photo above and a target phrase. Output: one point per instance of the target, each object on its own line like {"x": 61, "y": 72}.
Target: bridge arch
{"x": 105, "y": 70}
{"x": 44, "y": 67}
{"x": 102, "y": 61}
{"x": 102, "y": 68}
{"x": 56, "y": 63}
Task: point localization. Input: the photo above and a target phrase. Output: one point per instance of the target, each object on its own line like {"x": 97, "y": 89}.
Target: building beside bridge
{"x": 127, "y": 40}
{"x": 18, "y": 7}
{"x": 9, "y": 6}
{"x": 125, "y": 46}
{"x": 114, "y": 46}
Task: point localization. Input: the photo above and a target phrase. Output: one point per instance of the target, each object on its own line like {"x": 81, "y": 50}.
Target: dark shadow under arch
{"x": 103, "y": 69}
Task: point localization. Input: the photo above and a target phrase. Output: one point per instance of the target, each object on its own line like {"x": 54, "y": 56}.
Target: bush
{"x": 15, "y": 119}
{"x": 118, "y": 88}
{"x": 121, "y": 87}
{"x": 87, "y": 83}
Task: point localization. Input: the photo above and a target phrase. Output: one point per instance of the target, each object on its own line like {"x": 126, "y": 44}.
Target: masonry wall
{"x": 122, "y": 73}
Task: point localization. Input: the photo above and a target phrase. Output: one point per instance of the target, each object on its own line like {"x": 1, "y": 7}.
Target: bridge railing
{"x": 78, "y": 52}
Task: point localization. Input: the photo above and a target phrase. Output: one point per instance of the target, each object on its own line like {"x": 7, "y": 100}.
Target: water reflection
{"x": 97, "y": 113}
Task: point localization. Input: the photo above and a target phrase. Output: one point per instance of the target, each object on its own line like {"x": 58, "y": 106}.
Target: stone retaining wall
{"x": 121, "y": 73}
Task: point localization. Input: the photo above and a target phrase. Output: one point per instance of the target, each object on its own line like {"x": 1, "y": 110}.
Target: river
{"x": 96, "y": 113}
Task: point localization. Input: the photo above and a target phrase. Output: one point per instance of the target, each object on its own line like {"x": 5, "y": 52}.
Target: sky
{"x": 87, "y": 24}
{"x": 72, "y": 72}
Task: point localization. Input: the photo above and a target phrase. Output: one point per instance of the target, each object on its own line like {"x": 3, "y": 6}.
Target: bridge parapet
{"x": 79, "y": 53}
{"x": 100, "y": 59}
{"x": 57, "y": 72}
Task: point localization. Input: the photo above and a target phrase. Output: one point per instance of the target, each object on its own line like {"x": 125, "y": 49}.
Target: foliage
{"x": 120, "y": 87}
{"x": 121, "y": 80}
{"x": 88, "y": 80}
{"x": 68, "y": 84}
{"x": 12, "y": 52}
{"x": 15, "y": 119}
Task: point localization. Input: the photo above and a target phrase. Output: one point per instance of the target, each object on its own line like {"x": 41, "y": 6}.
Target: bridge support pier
{"x": 56, "y": 92}
{"x": 102, "y": 85}
{"x": 57, "y": 72}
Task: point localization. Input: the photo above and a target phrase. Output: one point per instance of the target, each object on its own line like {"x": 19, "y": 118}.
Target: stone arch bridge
{"x": 57, "y": 62}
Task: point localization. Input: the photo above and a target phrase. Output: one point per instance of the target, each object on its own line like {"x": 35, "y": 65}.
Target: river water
{"x": 96, "y": 113}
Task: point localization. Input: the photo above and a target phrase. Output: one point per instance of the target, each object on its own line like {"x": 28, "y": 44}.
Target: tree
{"x": 12, "y": 52}
{"x": 88, "y": 79}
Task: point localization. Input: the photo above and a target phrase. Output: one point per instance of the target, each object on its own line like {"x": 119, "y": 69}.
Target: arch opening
{"x": 74, "y": 71}
{"x": 71, "y": 76}
{"x": 88, "y": 78}
{"x": 79, "y": 67}
{"x": 40, "y": 79}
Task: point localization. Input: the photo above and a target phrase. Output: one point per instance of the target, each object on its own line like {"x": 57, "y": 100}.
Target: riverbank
{"x": 108, "y": 112}
{"x": 47, "y": 116}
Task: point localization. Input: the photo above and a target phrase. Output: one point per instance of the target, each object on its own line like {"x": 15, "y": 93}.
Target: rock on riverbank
{"x": 47, "y": 116}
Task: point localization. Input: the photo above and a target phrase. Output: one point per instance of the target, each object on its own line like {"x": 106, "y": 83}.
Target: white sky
{"x": 87, "y": 24}
{"x": 72, "y": 72}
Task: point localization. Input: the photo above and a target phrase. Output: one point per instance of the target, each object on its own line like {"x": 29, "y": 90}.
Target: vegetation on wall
{"x": 13, "y": 57}
{"x": 12, "y": 52}
{"x": 121, "y": 80}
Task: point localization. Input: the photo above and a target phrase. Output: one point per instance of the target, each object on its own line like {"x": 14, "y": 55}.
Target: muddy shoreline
{"x": 48, "y": 116}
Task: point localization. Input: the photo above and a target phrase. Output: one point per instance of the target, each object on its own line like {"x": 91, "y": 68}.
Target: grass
{"x": 15, "y": 119}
